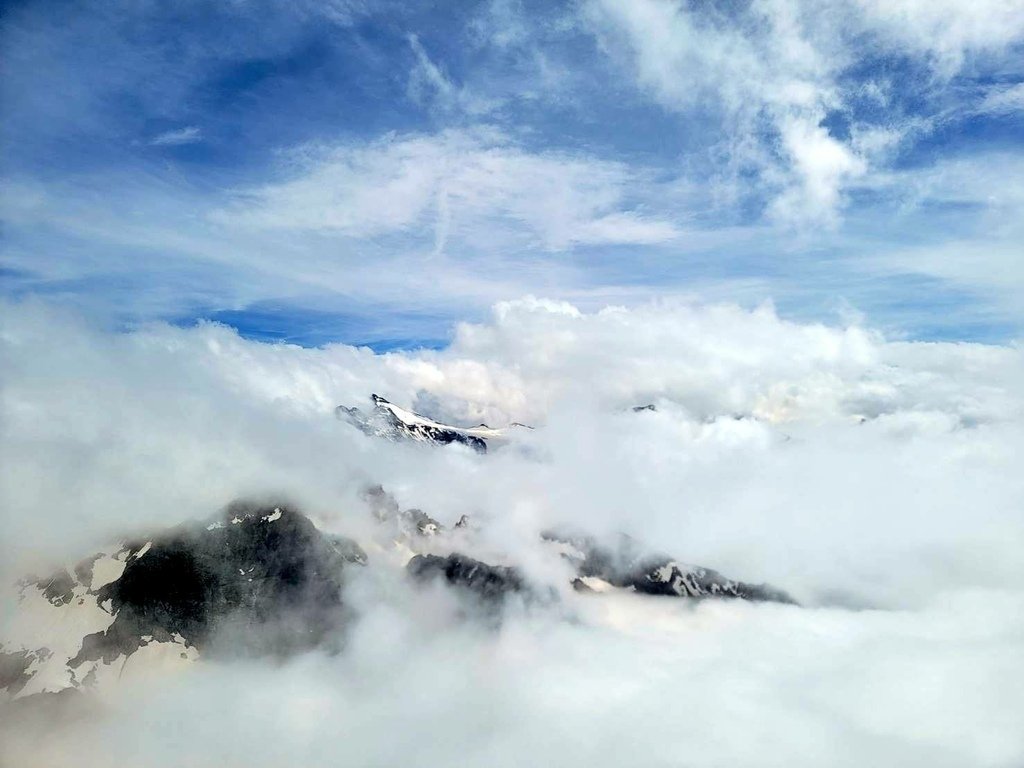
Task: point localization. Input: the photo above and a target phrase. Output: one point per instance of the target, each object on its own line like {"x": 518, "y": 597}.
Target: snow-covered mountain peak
{"x": 396, "y": 423}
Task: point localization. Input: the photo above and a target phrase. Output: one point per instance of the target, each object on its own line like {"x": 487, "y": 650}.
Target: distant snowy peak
{"x": 396, "y": 423}
{"x": 623, "y": 563}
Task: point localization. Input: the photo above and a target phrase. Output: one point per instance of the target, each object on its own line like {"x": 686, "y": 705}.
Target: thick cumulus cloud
{"x": 656, "y": 685}
{"x": 875, "y": 479}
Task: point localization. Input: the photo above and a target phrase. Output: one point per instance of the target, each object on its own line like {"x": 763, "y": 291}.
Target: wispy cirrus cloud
{"x": 768, "y": 84}
{"x": 603, "y": 149}
{"x": 1003, "y": 100}
{"x": 465, "y": 184}
{"x": 188, "y": 135}
{"x": 777, "y": 77}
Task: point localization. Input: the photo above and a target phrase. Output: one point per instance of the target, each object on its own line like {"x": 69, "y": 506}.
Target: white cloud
{"x": 763, "y": 67}
{"x": 773, "y": 72}
{"x": 914, "y": 511}
{"x": 1003, "y": 100}
{"x": 427, "y": 75}
{"x": 822, "y": 167}
{"x": 983, "y": 205}
{"x": 717, "y": 684}
{"x": 467, "y": 184}
{"x": 947, "y": 30}
{"x": 429, "y": 85}
{"x": 225, "y": 416}
{"x": 188, "y": 135}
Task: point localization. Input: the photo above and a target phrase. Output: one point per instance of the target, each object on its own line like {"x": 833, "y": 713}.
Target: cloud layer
{"x": 873, "y": 479}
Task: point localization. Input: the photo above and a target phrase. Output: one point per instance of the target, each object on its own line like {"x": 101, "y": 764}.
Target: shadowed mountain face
{"x": 254, "y": 580}
{"x": 256, "y": 568}
{"x": 623, "y": 564}
{"x": 264, "y": 580}
{"x": 487, "y": 581}
{"x": 14, "y": 668}
{"x": 400, "y": 523}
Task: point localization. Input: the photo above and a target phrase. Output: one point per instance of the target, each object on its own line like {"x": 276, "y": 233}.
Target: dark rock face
{"x": 382, "y": 421}
{"x": 260, "y": 579}
{"x": 59, "y": 590}
{"x": 264, "y": 573}
{"x": 489, "y": 582}
{"x": 623, "y": 564}
{"x": 383, "y": 505}
{"x": 444, "y": 436}
{"x": 14, "y": 665}
{"x": 424, "y": 524}
{"x": 404, "y": 522}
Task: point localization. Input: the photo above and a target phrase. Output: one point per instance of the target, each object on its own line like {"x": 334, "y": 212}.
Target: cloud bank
{"x": 874, "y": 479}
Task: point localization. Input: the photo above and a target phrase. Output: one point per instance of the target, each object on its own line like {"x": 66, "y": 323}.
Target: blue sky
{"x": 375, "y": 172}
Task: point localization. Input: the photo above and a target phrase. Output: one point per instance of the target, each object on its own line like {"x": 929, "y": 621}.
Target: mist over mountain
{"x": 371, "y": 580}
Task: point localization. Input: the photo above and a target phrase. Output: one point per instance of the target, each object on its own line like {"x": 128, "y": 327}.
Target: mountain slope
{"x": 396, "y": 423}
{"x": 260, "y": 579}
{"x": 263, "y": 580}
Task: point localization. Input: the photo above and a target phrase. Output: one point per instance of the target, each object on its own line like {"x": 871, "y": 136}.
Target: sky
{"x": 373, "y": 173}
{"x": 793, "y": 227}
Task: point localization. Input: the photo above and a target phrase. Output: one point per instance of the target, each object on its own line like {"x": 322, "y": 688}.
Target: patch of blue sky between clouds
{"x": 304, "y": 327}
{"x": 374, "y": 173}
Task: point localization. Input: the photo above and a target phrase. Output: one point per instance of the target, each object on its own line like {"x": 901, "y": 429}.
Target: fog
{"x": 878, "y": 481}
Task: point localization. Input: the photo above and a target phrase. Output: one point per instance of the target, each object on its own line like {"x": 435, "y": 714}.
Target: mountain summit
{"x": 396, "y": 423}
{"x": 261, "y": 579}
